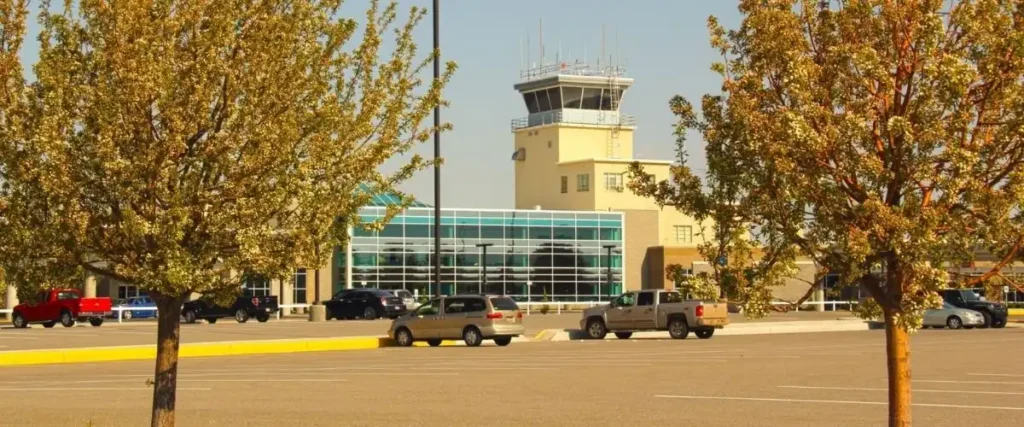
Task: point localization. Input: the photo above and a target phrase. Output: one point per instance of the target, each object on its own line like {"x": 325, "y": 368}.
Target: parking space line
{"x": 997, "y": 375}
{"x": 916, "y": 390}
{"x": 837, "y": 402}
{"x": 967, "y": 382}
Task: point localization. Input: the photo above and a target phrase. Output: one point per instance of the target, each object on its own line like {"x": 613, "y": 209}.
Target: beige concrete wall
{"x": 641, "y": 231}
{"x": 537, "y": 181}
{"x": 579, "y": 142}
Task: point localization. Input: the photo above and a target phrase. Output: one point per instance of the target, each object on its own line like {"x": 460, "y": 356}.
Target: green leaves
{"x": 883, "y": 140}
{"x": 181, "y": 145}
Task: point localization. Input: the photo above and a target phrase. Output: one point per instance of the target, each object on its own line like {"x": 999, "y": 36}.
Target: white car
{"x": 407, "y": 299}
{"x": 952, "y": 317}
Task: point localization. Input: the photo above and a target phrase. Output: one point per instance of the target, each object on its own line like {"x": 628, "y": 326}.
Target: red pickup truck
{"x": 61, "y": 305}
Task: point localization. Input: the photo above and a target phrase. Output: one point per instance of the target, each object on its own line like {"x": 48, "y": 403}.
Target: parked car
{"x": 471, "y": 318}
{"x": 244, "y": 308}
{"x": 61, "y": 305}
{"x": 367, "y": 303}
{"x": 137, "y": 302}
{"x": 407, "y": 298}
{"x": 994, "y": 313}
{"x": 655, "y": 310}
{"x": 952, "y": 317}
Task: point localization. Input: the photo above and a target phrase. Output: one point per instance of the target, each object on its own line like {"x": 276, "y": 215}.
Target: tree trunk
{"x": 166, "y": 375}
{"x": 897, "y": 349}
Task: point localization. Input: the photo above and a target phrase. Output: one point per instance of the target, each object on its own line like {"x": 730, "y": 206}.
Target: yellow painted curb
{"x": 1017, "y": 311}
{"x": 210, "y": 349}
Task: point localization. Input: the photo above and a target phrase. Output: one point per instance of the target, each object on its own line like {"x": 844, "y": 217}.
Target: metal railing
{"x": 821, "y": 303}
{"x": 557, "y": 116}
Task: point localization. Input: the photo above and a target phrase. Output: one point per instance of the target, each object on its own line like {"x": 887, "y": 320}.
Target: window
{"x": 591, "y": 99}
{"x": 542, "y": 99}
{"x": 555, "y": 95}
{"x": 626, "y": 300}
{"x": 256, "y": 287}
{"x": 583, "y": 182}
{"x": 669, "y": 297}
{"x": 571, "y": 97}
{"x": 474, "y": 305}
{"x": 565, "y": 184}
{"x": 613, "y": 181}
{"x": 506, "y": 304}
{"x": 454, "y": 305}
{"x": 531, "y": 102}
{"x": 127, "y": 291}
{"x": 684, "y": 234}
{"x": 66, "y": 295}
{"x": 431, "y": 308}
{"x": 645, "y": 299}
{"x": 299, "y": 286}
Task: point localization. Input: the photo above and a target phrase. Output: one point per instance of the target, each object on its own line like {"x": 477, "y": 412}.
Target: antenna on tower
{"x": 599, "y": 58}
{"x": 540, "y": 28}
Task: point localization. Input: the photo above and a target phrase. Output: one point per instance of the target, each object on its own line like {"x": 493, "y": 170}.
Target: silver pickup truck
{"x": 655, "y": 310}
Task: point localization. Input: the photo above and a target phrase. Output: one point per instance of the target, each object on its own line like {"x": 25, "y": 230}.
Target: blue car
{"x": 141, "y": 302}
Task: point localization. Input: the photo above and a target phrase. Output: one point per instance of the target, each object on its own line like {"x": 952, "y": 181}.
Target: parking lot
{"x": 143, "y": 332}
{"x": 960, "y": 378}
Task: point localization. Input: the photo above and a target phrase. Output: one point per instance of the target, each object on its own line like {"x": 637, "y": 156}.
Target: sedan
{"x": 952, "y": 317}
{"x": 136, "y": 303}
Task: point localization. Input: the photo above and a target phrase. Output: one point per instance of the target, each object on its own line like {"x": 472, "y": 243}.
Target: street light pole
{"x": 609, "y": 248}
{"x": 437, "y": 157}
{"x": 483, "y": 264}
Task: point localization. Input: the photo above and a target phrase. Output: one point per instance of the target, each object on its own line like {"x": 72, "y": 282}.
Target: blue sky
{"x": 662, "y": 43}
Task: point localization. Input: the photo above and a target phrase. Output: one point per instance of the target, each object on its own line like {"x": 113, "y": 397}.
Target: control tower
{"x": 572, "y": 151}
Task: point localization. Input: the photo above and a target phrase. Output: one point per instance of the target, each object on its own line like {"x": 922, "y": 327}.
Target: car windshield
{"x": 947, "y": 306}
{"x": 970, "y": 296}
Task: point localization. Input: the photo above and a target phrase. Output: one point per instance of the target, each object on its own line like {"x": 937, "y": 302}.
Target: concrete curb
{"x": 753, "y": 328}
{"x": 1017, "y": 312}
{"x": 208, "y": 349}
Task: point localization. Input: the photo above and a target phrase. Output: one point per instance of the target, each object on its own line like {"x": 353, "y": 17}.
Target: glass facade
{"x": 532, "y": 253}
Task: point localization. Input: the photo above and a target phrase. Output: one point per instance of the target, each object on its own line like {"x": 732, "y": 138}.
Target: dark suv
{"x": 367, "y": 303}
{"x": 995, "y": 313}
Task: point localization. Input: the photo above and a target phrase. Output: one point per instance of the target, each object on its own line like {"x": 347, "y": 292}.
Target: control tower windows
{"x": 571, "y": 97}
{"x": 591, "y": 99}
{"x": 531, "y": 102}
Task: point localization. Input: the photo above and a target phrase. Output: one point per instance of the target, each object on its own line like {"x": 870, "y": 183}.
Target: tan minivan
{"x": 471, "y": 318}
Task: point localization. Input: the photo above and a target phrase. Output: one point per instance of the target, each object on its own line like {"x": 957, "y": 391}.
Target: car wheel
{"x": 954, "y": 322}
{"x": 596, "y": 329}
{"x": 472, "y": 337}
{"x": 211, "y": 320}
{"x": 404, "y": 337}
{"x": 704, "y": 333}
{"x": 19, "y": 321}
{"x": 241, "y": 316}
{"x": 190, "y": 316}
{"x": 49, "y": 324}
{"x": 96, "y": 321}
{"x": 434, "y": 343}
{"x": 623, "y": 335}
{"x": 262, "y": 318}
{"x": 678, "y": 329}
{"x": 66, "y": 320}
{"x": 999, "y": 324}
{"x": 503, "y": 341}
{"x": 126, "y": 315}
{"x": 370, "y": 313}
{"x": 988, "y": 320}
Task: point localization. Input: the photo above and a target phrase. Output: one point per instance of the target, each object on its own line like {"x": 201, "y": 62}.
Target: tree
{"x": 181, "y": 145}
{"x": 882, "y": 139}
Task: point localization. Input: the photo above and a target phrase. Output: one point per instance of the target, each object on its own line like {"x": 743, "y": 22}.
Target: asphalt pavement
{"x": 143, "y": 332}
{"x": 824, "y": 379}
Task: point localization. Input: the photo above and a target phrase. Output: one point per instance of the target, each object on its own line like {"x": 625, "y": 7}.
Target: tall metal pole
{"x": 483, "y": 283}
{"x": 437, "y": 166}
